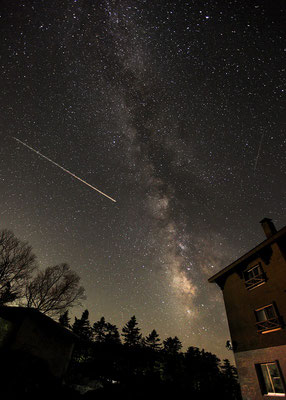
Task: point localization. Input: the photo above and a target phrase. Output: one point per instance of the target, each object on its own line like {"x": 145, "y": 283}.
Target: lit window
{"x": 267, "y": 319}
{"x": 270, "y": 379}
{"x": 254, "y": 277}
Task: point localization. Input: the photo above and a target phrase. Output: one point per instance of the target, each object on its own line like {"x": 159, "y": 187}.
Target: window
{"x": 267, "y": 319}
{"x": 6, "y": 328}
{"x": 270, "y": 379}
{"x": 254, "y": 277}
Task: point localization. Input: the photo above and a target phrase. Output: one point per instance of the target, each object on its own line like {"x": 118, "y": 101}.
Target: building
{"x": 26, "y": 333}
{"x": 254, "y": 292}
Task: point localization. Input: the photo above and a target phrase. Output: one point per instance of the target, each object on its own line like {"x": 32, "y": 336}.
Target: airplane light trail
{"x": 65, "y": 170}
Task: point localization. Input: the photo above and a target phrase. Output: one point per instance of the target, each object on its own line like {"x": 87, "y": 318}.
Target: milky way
{"x": 177, "y": 108}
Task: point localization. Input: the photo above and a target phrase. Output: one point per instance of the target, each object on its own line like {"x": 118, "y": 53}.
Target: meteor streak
{"x": 65, "y": 170}
{"x": 258, "y": 153}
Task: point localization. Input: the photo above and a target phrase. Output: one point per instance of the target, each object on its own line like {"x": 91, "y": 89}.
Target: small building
{"x": 254, "y": 292}
{"x": 28, "y": 332}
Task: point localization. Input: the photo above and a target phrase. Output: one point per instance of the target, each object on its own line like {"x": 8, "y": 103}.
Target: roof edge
{"x": 35, "y": 313}
{"x": 235, "y": 263}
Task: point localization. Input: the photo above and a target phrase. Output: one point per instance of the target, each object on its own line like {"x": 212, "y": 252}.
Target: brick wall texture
{"x": 245, "y": 362}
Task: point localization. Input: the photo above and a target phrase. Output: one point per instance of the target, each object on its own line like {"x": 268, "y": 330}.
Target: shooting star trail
{"x": 258, "y": 153}
{"x": 64, "y": 169}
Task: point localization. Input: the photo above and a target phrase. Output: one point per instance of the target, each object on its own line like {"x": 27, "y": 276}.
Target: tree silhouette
{"x": 172, "y": 345}
{"x": 81, "y": 327}
{"x": 229, "y": 370}
{"x": 64, "y": 319}
{"x": 131, "y": 333}
{"x": 153, "y": 341}
{"x": 104, "y": 332}
{"x": 17, "y": 263}
{"x": 99, "y": 330}
{"x": 54, "y": 290}
{"x": 112, "y": 334}
{"x": 230, "y": 381}
{"x": 141, "y": 370}
{"x": 204, "y": 376}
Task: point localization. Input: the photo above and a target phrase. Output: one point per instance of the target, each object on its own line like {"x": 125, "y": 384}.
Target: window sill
{"x": 255, "y": 286}
{"x": 270, "y": 331}
{"x": 269, "y": 325}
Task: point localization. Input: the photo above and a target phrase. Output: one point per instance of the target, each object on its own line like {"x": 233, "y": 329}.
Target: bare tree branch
{"x": 17, "y": 263}
{"x": 54, "y": 290}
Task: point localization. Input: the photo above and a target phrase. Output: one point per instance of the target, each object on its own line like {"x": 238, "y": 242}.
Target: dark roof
{"x": 252, "y": 252}
{"x": 18, "y": 314}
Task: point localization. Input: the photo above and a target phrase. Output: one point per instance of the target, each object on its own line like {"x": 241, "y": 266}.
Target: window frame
{"x": 270, "y": 324}
{"x": 262, "y": 381}
{"x": 255, "y": 281}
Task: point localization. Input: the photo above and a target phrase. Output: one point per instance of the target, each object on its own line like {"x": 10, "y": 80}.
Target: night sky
{"x": 176, "y": 109}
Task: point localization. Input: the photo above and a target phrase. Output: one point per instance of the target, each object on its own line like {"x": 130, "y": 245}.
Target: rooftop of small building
{"x": 273, "y": 236}
{"x": 18, "y": 314}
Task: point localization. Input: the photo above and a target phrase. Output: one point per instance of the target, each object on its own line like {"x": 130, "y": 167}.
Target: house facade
{"x": 254, "y": 292}
{"x": 26, "y": 332}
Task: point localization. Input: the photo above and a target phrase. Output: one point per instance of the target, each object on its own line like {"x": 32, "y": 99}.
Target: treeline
{"x": 124, "y": 364}
{"x": 134, "y": 366}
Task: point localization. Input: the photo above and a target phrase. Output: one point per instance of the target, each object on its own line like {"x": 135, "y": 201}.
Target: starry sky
{"x": 176, "y": 109}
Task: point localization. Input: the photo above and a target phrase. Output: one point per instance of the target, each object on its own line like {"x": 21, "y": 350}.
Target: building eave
{"x": 249, "y": 254}
{"x": 19, "y": 313}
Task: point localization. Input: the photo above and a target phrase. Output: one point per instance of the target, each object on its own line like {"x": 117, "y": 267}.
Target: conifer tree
{"x": 99, "y": 330}
{"x": 104, "y": 332}
{"x": 131, "y": 333}
{"x": 229, "y": 370}
{"x": 172, "y": 345}
{"x": 153, "y": 341}
{"x": 112, "y": 334}
{"x": 230, "y": 380}
{"x": 81, "y": 327}
{"x": 64, "y": 319}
